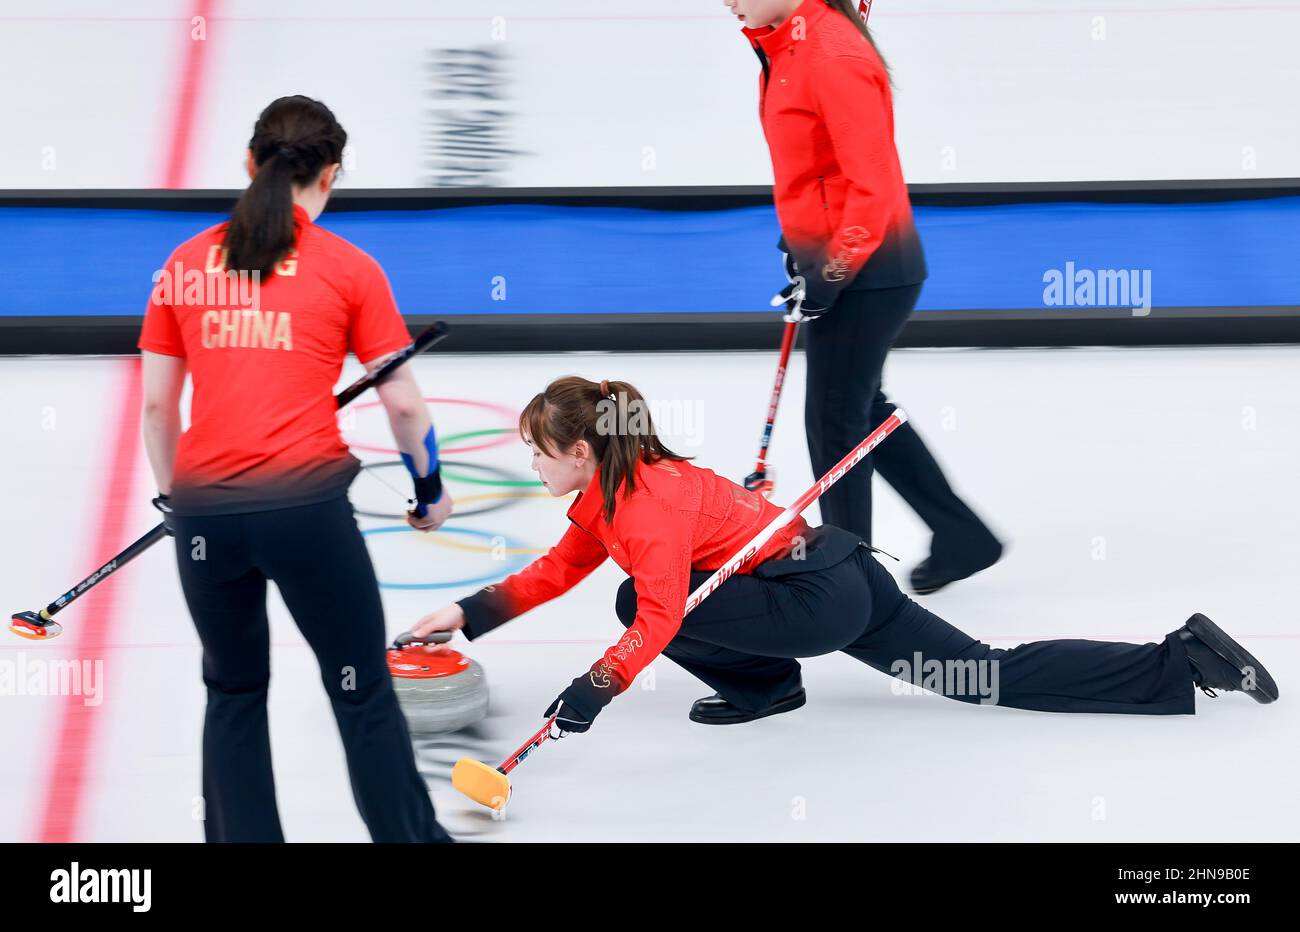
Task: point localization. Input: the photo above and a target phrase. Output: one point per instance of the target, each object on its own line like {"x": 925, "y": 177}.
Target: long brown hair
{"x": 613, "y": 417}
{"x": 293, "y": 140}
{"x": 848, "y": 8}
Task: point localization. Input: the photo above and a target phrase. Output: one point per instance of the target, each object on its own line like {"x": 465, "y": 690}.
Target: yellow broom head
{"x": 486, "y": 785}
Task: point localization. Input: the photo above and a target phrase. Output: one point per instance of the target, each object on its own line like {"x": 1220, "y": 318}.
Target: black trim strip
{"x": 686, "y": 197}
{"x": 556, "y": 333}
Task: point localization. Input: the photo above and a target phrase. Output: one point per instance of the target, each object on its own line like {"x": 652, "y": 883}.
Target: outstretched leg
{"x": 1067, "y": 675}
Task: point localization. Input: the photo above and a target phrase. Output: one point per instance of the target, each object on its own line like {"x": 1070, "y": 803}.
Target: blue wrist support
{"x": 430, "y": 447}
{"x": 427, "y": 492}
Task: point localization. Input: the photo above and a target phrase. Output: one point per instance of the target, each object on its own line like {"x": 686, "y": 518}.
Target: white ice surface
{"x": 1135, "y": 486}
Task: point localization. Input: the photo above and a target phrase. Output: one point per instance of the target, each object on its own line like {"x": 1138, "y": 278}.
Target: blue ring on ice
{"x": 515, "y": 562}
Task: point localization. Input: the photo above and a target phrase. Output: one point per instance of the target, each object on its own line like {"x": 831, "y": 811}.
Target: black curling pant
{"x": 317, "y": 558}
{"x": 742, "y": 640}
{"x": 846, "y": 352}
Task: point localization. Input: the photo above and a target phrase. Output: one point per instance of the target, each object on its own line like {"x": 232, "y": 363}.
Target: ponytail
{"x": 614, "y": 419}
{"x": 294, "y": 139}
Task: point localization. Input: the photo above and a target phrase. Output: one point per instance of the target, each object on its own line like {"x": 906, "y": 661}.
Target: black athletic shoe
{"x": 931, "y": 575}
{"x": 718, "y": 711}
{"x": 1219, "y": 662}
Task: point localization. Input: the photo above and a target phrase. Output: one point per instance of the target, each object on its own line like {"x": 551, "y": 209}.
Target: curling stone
{"x": 438, "y": 693}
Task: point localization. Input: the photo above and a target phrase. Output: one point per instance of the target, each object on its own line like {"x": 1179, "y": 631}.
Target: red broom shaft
{"x": 787, "y": 343}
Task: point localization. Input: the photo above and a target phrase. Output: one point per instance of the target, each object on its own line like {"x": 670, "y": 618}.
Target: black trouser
{"x": 318, "y": 559}
{"x": 846, "y": 352}
{"x": 742, "y": 639}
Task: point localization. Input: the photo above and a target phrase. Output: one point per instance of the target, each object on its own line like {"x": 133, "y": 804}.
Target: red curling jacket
{"x": 827, "y": 112}
{"x": 678, "y": 518}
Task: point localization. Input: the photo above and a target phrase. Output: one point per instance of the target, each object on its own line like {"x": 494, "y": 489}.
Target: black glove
{"x": 798, "y": 305}
{"x": 427, "y": 492}
{"x": 577, "y": 707}
{"x": 164, "y": 504}
{"x": 801, "y": 302}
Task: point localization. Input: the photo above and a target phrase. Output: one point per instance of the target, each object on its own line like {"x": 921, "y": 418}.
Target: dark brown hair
{"x": 848, "y": 8}
{"x": 293, "y": 140}
{"x": 573, "y": 408}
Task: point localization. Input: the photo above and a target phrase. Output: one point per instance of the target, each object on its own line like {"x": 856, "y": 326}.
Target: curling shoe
{"x": 715, "y": 710}
{"x": 934, "y": 573}
{"x": 1219, "y": 662}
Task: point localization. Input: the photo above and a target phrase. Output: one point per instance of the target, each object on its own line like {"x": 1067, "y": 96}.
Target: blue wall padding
{"x": 86, "y": 261}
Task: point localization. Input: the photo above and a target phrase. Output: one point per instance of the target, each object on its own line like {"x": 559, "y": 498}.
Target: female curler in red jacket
{"x": 854, "y": 261}
{"x": 669, "y": 524}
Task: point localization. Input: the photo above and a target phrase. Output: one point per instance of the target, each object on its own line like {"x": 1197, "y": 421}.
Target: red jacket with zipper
{"x": 827, "y": 112}
{"x": 679, "y": 518}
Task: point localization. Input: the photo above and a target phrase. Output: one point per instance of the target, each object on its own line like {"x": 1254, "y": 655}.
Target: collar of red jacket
{"x": 774, "y": 39}
{"x": 300, "y": 215}
{"x": 586, "y": 510}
